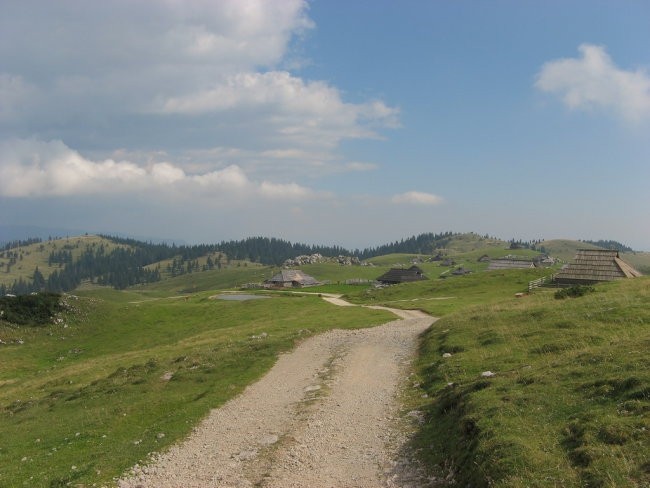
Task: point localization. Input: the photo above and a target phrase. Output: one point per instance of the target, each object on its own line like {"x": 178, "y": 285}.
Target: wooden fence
{"x": 543, "y": 281}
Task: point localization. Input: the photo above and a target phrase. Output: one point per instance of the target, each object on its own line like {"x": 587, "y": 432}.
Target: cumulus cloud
{"x": 287, "y": 191}
{"x": 594, "y": 81}
{"x": 33, "y": 168}
{"x": 417, "y": 198}
{"x": 290, "y": 109}
{"x": 146, "y": 74}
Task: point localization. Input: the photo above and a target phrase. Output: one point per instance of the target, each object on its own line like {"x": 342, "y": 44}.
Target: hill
{"x": 19, "y": 262}
{"x": 541, "y": 392}
{"x": 64, "y": 264}
{"x": 571, "y": 376}
{"x": 565, "y": 249}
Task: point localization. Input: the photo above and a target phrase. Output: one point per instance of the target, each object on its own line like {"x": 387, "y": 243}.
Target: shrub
{"x": 35, "y": 309}
{"x": 574, "y": 291}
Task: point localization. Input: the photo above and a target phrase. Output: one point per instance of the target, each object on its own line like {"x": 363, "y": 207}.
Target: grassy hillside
{"x": 565, "y": 249}
{"x": 233, "y": 276}
{"x": 440, "y": 297}
{"x": 463, "y": 243}
{"x": 29, "y": 257}
{"x": 569, "y": 402}
{"x": 125, "y": 375}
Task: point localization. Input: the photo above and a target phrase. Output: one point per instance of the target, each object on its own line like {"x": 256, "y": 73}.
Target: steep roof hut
{"x": 594, "y": 265}
{"x": 461, "y": 271}
{"x": 509, "y": 263}
{"x": 292, "y": 278}
{"x": 402, "y": 275}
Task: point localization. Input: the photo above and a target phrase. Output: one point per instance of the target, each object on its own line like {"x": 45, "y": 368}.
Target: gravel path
{"x": 326, "y": 415}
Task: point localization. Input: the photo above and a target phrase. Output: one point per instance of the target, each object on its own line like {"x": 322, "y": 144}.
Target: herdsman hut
{"x": 591, "y": 266}
{"x": 291, "y": 278}
{"x": 402, "y": 275}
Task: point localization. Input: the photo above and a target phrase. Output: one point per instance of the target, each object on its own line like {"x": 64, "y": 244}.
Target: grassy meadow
{"x": 125, "y": 374}
{"x": 440, "y": 297}
{"x": 129, "y": 372}
{"x": 569, "y": 402}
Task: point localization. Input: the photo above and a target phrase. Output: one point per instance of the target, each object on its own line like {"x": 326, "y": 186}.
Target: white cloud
{"x": 289, "y": 108}
{"x": 417, "y": 198}
{"x": 232, "y": 177}
{"x": 32, "y": 168}
{"x": 145, "y": 74}
{"x": 593, "y": 81}
{"x": 287, "y": 191}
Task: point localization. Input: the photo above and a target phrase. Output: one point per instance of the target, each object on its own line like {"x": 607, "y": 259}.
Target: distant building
{"x": 510, "y": 263}
{"x": 291, "y": 278}
{"x": 402, "y": 275}
{"x": 594, "y": 265}
{"x": 460, "y": 271}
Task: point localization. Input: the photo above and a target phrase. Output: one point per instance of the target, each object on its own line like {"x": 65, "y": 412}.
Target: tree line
{"x": 129, "y": 263}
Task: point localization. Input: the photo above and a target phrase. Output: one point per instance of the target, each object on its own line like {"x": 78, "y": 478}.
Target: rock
{"x": 246, "y": 455}
{"x": 446, "y": 355}
{"x": 488, "y": 374}
{"x": 267, "y": 440}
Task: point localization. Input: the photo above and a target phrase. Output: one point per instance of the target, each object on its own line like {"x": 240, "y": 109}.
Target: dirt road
{"x": 326, "y": 415}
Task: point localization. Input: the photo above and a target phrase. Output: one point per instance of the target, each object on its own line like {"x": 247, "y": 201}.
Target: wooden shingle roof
{"x": 293, "y": 276}
{"x": 593, "y": 265}
{"x": 402, "y": 275}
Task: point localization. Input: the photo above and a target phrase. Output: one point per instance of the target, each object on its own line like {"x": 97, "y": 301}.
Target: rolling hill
{"x": 64, "y": 264}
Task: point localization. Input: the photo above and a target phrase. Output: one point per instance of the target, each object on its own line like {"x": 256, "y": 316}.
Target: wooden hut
{"x": 402, "y": 275}
{"x": 291, "y": 278}
{"x": 594, "y": 265}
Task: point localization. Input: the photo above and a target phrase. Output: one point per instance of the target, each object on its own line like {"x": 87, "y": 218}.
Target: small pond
{"x": 239, "y": 297}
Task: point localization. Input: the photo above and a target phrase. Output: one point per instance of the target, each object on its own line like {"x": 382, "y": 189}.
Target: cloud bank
{"x": 32, "y": 168}
{"x": 594, "y": 81}
{"x": 174, "y": 75}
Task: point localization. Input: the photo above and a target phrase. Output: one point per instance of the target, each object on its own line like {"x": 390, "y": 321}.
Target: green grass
{"x": 570, "y": 402}
{"x": 230, "y": 277}
{"x": 443, "y": 296}
{"x": 91, "y": 393}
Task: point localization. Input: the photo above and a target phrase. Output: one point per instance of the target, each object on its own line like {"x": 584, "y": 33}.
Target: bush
{"x": 574, "y": 291}
{"x": 35, "y": 309}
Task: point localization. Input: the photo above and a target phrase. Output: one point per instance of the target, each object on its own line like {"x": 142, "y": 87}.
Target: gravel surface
{"x": 326, "y": 415}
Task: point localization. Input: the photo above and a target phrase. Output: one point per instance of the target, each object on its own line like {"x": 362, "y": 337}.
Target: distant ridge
{"x": 10, "y": 232}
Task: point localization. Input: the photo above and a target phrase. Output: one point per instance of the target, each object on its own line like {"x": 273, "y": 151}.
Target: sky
{"x": 352, "y": 123}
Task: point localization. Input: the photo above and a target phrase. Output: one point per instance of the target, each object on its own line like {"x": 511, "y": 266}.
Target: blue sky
{"x": 351, "y": 123}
